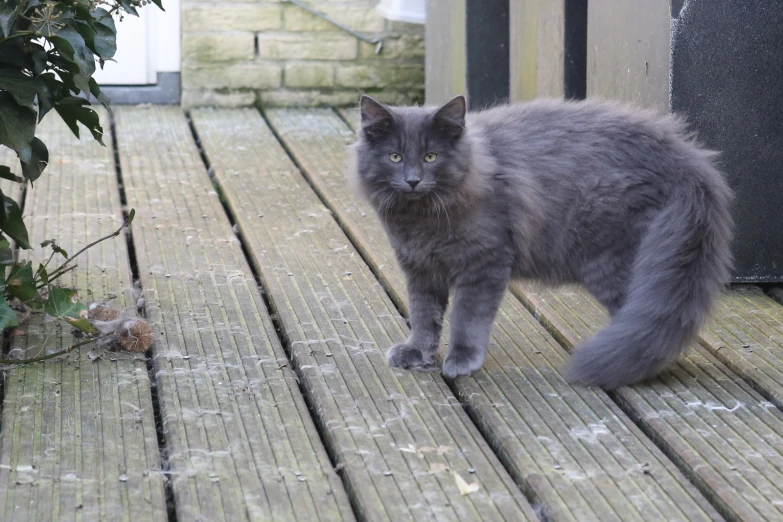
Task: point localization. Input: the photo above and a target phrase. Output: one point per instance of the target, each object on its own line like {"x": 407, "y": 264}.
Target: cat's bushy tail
{"x": 683, "y": 261}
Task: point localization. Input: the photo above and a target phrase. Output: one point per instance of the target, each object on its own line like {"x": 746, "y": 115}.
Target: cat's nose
{"x": 413, "y": 182}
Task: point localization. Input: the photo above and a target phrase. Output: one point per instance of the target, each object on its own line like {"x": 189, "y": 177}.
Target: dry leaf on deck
{"x": 464, "y": 487}
{"x": 436, "y": 467}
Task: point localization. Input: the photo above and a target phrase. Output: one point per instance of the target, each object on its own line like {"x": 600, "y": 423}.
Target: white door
{"x": 146, "y": 45}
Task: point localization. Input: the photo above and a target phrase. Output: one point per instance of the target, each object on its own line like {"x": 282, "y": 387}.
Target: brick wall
{"x": 241, "y": 52}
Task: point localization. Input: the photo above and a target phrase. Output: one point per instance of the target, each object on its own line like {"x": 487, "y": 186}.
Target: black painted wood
{"x": 726, "y": 71}
{"x": 486, "y": 24}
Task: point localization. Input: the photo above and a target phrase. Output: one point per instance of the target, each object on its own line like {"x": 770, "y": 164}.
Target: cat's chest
{"x": 441, "y": 248}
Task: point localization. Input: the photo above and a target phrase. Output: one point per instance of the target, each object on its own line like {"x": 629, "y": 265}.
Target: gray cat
{"x": 621, "y": 201}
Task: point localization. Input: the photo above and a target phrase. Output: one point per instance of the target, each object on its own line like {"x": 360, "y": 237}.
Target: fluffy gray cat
{"x": 621, "y": 201}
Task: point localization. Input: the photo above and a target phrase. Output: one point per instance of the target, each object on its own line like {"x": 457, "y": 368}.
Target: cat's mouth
{"x": 412, "y": 194}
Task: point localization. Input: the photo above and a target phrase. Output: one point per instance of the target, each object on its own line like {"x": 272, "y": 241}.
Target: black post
{"x": 575, "y": 46}
{"x": 486, "y": 24}
{"x": 727, "y": 79}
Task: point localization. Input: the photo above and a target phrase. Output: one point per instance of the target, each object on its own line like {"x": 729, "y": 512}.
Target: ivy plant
{"x": 49, "y": 51}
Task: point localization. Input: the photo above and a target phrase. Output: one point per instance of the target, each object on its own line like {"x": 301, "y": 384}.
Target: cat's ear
{"x": 450, "y": 119}
{"x": 376, "y": 119}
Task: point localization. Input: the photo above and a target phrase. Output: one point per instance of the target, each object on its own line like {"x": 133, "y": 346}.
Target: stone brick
{"x": 201, "y": 98}
{"x": 281, "y": 98}
{"x": 412, "y": 96}
{"x": 363, "y": 19}
{"x": 379, "y": 76}
{"x": 234, "y": 76}
{"x": 404, "y": 27}
{"x": 309, "y": 75}
{"x": 409, "y": 46}
{"x": 303, "y": 46}
{"x": 232, "y": 17}
{"x": 218, "y": 47}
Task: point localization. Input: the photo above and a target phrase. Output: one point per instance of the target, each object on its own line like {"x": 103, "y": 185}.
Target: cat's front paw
{"x": 409, "y": 357}
{"x": 462, "y": 361}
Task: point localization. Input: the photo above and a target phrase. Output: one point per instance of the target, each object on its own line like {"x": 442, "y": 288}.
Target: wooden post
{"x": 548, "y": 48}
{"x": 628, "y": 51}
{"x": 445, "y": 55}
{"x": 467, "y": 51}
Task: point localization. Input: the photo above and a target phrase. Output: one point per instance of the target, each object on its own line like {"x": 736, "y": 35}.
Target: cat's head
{"x": 412, "y": 154}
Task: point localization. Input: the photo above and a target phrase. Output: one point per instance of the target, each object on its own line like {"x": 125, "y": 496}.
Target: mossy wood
{"x": 397, "y": 436}
{"x": 239, "y": 438}
{"x": 571, "y": 448}
{"x": 78, "y": 432}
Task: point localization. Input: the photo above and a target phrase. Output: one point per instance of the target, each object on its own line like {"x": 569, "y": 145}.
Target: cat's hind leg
{"x": 476, "y": 302}
{"x": 607, "y": 280}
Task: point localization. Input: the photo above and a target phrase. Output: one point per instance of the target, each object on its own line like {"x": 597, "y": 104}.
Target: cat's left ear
{"x": 450, "y": 119}
{"x": 376, "y": 119}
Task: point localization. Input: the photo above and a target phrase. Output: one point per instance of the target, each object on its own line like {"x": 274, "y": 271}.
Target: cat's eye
{"x": 396, "y": 158}
{"x": 429, "y": 158}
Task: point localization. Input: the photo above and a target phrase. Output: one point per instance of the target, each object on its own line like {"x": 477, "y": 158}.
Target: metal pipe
{"x": 369, "y": 39}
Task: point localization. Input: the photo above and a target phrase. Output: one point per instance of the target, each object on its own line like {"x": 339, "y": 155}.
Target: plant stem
{"x": 52, "y": 355}
{"x": 59, "y": 270}
{"x": 15, "y": 35}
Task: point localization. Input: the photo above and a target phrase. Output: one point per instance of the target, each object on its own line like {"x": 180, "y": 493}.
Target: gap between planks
{"x": 240, "y": 439}
{"x": 555, "y": 412}
{"x": 386, "y": 425}
{"x": 760, "y": 372}
{"x": 78, "y": 436}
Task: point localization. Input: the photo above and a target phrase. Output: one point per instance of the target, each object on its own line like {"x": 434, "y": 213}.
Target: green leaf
{"x": 72, "y": 47}
{"x": 46, "y": 96}
{"x": 55, "y": 247}
{"x": 131, "y": 215}
{"x": 104, "y": 39}
{"x": 14, "y": 55}
{"x": 40, "y": 59}
{"x": 126, "y": 4}
{"x": 95, "y": 90}
{"x": 64, "y": 303}
{"x": 73, "y": 109}
{"x": 21, "y": 284}
{"x": 6, "y": 255}
{"x": 17, "y": 126}
{"x": 11, "y": 222}
{"x": 159, "y": 3}
{"x": 7, "y": 17}
{"x": 7, "y": 314}
{"x": 39, "y": 159}
{"x": 5, "y": 173}
{"x": 42, "y": 275}
{"x": 22, "y": 87}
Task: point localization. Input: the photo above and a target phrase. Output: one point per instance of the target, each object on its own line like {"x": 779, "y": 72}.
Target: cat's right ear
{"x": 376, "y": 119}
{"x": 450, "y": 118}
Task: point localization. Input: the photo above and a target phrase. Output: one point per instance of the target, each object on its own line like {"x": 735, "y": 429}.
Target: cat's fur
{"x": 622, "y": 201}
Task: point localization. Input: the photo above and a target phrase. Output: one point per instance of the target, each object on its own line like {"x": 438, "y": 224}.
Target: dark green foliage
{"x": 48, "y": 54}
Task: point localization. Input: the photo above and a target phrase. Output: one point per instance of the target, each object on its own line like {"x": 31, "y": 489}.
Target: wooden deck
{"x": 266, "y": 396}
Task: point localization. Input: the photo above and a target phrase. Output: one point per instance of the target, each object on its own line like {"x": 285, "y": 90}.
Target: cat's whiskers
{"x": 435, "y": 205}
{"x": 445, "y": 211}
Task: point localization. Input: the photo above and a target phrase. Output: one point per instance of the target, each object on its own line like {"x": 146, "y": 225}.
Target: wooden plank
{"x": 78, "y": 435}
{"x": 445, "y": 54}
{"x": 537, "y": 51}
{"x": 240, "y": 441}
{"x": 571, "y": 447}
{"x": 746, "y": 333}
{"x": 397, "y": 435}
{"x": 726, "y": 437}
{"x": 628, "y": 46}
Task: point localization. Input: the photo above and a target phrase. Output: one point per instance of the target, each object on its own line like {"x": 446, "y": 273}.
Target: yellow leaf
{"x": 464, "y": 487}
{"x": 436, "y": 467}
